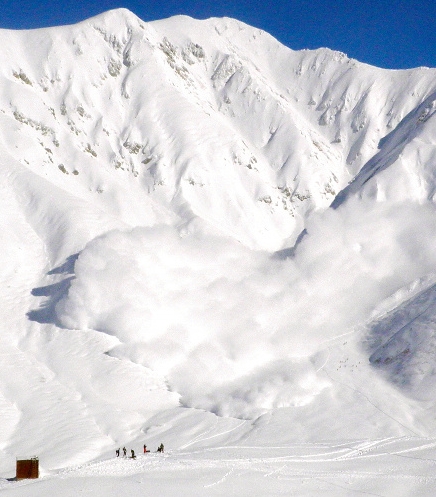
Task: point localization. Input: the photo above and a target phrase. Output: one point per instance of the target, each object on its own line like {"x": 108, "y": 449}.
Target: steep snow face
{"x": 151, "y": 175}
{"x": 186, "y": 121}
{"x": 404, "y": 166}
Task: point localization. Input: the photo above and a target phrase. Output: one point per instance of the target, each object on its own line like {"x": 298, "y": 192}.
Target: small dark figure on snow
{"x": 145, "y": 449}
{"x": 124, "y": 451}
{"x": 160, "y": 448}
{"x": 117, "y": 452}
{"x": 133, "y": 454}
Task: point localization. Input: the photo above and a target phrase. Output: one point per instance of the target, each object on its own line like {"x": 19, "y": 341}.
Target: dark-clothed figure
{"x": 117, "y": 452}
{"x": 124, "y": 451}
{"x": 133, "y": 454}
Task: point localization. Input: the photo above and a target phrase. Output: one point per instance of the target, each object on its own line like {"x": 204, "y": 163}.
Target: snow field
{"x": 154, "y": 180}
{"x": 379, "y": 467}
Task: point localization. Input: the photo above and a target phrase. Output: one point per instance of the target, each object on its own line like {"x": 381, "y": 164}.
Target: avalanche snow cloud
{"x": 238, "y": 331}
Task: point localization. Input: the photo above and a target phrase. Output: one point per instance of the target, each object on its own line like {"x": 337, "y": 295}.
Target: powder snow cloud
{"x": 236, "y": 331}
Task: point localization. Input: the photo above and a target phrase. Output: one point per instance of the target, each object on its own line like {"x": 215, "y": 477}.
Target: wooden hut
{"x": 27, "y": 468}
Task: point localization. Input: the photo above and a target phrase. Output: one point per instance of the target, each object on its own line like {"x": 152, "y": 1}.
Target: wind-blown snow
{"x": 234, "y": 330}
{"x": 205, "y": 230}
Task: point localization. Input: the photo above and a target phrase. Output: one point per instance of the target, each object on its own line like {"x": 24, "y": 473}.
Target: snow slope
{"x": 204, "y": 231}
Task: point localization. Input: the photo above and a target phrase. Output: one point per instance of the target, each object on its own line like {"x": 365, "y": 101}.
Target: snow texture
{"x": 213, "y": 241}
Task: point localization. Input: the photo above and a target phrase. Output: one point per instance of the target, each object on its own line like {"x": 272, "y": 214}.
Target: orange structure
{"x": 27, "y": 468}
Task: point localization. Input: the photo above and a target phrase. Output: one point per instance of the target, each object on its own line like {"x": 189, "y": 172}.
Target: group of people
{"x": 117, "y": 452}
{"x": 133, "y": 456}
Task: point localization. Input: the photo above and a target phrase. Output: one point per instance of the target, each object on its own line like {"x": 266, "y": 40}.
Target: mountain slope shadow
{"x": 289, "y": 252}
{"x": 402, "y": 344}
{"x": 46, "y": 314}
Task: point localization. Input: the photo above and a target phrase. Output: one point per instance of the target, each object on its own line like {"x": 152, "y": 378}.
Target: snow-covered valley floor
{"x": 384, "y": 467}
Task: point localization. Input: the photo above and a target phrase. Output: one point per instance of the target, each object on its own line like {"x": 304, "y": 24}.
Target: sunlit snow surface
{"x": 212, "y": 241}
{"x": 384, "y": 467}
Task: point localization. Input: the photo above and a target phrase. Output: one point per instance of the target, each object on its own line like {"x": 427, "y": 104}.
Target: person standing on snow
{"x": 117, "y": 452}
{"x": 124, "y": 451}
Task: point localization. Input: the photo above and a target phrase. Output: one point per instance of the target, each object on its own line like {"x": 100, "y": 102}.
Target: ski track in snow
{"x": 200, "y": 437}
{"x": 221, "y": 479}
{"x": 368, "y": 467}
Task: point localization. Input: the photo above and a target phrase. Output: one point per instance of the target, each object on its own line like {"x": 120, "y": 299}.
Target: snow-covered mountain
{"x": 193, "y": 214}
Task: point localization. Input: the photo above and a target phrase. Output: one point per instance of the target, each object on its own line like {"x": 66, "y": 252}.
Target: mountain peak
{"x": 117, "y": 14}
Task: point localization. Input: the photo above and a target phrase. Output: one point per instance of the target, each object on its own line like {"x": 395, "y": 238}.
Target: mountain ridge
{"x": 258, "y": 146}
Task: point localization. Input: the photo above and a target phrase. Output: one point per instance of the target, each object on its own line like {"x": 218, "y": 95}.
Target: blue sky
{"x": 391, "y": 34}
